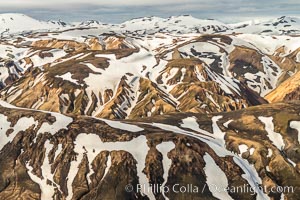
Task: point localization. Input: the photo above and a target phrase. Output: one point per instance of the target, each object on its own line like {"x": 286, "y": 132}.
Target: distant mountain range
{"x": 175, "y": 24}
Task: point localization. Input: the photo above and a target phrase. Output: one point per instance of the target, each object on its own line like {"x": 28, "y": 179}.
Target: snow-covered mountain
{"x": 14, "y": 22}
{"x": 198, "y": 102}
{"x": 179, "y": 24}
{"x": 107, "y": 75}
{"x": 280, "y": 26}
{"x": 188, "y": 24}
{"x": 102, "y": 70}
{"x": 51, "y": 156}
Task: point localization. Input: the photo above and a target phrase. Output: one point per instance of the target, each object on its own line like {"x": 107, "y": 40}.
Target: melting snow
{"x": 165, "y": 148}
{"x": 219, "y": 135}
{"x": 276, "y": 138}
{"x": 57, "y": 53}
{"x": 68, "y": 77}
{"x": 215, "y": 177}
{"x": 191, "y": 123}
{"x": 217, "y": 145}
{"x": 298, "y": 57}
{"x": 227, "y": 123}
{"x": 137, "y": 147}
{"x": 22, "y": 125}
{"x": 291, "y": 162}
{"x": 296, "y": 125}
{"x": 270, "y": 152}
{"x": 243, "y": 148}
{"x": 61, "y": 122}
{"x": 47, "y": 191}
{"x": 122, "y": 126}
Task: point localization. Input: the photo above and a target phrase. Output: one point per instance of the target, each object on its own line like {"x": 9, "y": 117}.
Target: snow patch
{"x": 165, "y": 148}
{"x": 276, "y": 138}
{"x": 296, "y": 125}
{"x": 122, "y": 126}
{"x": 67, "y": 77}
{"x": 215, "y": 177}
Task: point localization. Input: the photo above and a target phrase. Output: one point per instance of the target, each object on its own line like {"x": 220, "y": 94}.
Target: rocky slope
{"x": 118, "y": 75}
{"x": 47, "y": 155}
{"x": 287, "y": 91}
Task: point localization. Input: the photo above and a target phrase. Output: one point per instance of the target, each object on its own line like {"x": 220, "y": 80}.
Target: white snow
{"x": 296, "y": 125}
{"x": 227, "y": 123}
{"x": 174, "y": 24}
{"x": 165, "y": 148}
{"x": 270, "y": 153}
{"x": 291, "y": 162}
{"x": 6, "y": 105}
{"x": 4, "y": 126}
{"x": 22, "y": 125}
{"x": 92, "y": 67}
{"x": 61, "y": 122}
{"x": 270, "y": 75}
{"x": 4, "y": 74}
{"x": 13, "y": 95}
{"x": 276, "y": 138}
{"x": 111, "y": 76}
{"x": 298, "y": 57}
{"x": 154, "y": 44}
{"x": 218, "y": 134}
{"x": 58, "y": 151}
{"x": 282, "y": 196}
{"x": 191, "y": 123}
{"x": 122, "y": 126}
{"x": 251, "y": 177}
{"x": 57, "y": 53}
{"x": 15, "y": 22}
{"x": 217, "y": 145}
{"x": 243, "y": 148}
{"x": 93, "y": 146}
{"x": 68, "y": 77}
{"x": 215, "y": 177}
{"x": 137, "y": 147}
{"x": 108, "y": 164}
{"x": 47, "y": 191}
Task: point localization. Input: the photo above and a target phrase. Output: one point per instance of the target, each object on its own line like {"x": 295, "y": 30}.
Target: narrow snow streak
{"x": 122, "y": 126}
{"x": 165, "y": 148}
{"x": 217, "y": 144}
{"x": 92, "y": 145}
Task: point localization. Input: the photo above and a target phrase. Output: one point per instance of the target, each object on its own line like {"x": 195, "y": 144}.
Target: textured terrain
{"x": 89, "y": 108}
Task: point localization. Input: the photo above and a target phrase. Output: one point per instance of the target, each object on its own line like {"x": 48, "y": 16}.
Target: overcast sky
{"x": 115, "y": 11}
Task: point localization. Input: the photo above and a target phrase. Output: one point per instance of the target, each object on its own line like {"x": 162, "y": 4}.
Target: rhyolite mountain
{"x": 50, "y": 156}
{"x": 88, "y": 108}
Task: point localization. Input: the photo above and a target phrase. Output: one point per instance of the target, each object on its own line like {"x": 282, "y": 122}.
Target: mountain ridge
{"x": 259, "y": 26}
{"x": 94, "y": 111}
{"x": 188, "y": 140}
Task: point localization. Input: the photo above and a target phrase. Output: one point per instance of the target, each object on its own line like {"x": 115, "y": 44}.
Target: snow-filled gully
{"x": 217, "y": 144}
{"x": 92, "y": 145}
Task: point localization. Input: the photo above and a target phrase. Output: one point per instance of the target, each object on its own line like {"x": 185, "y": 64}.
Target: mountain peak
{"x": 17, "y": 22}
